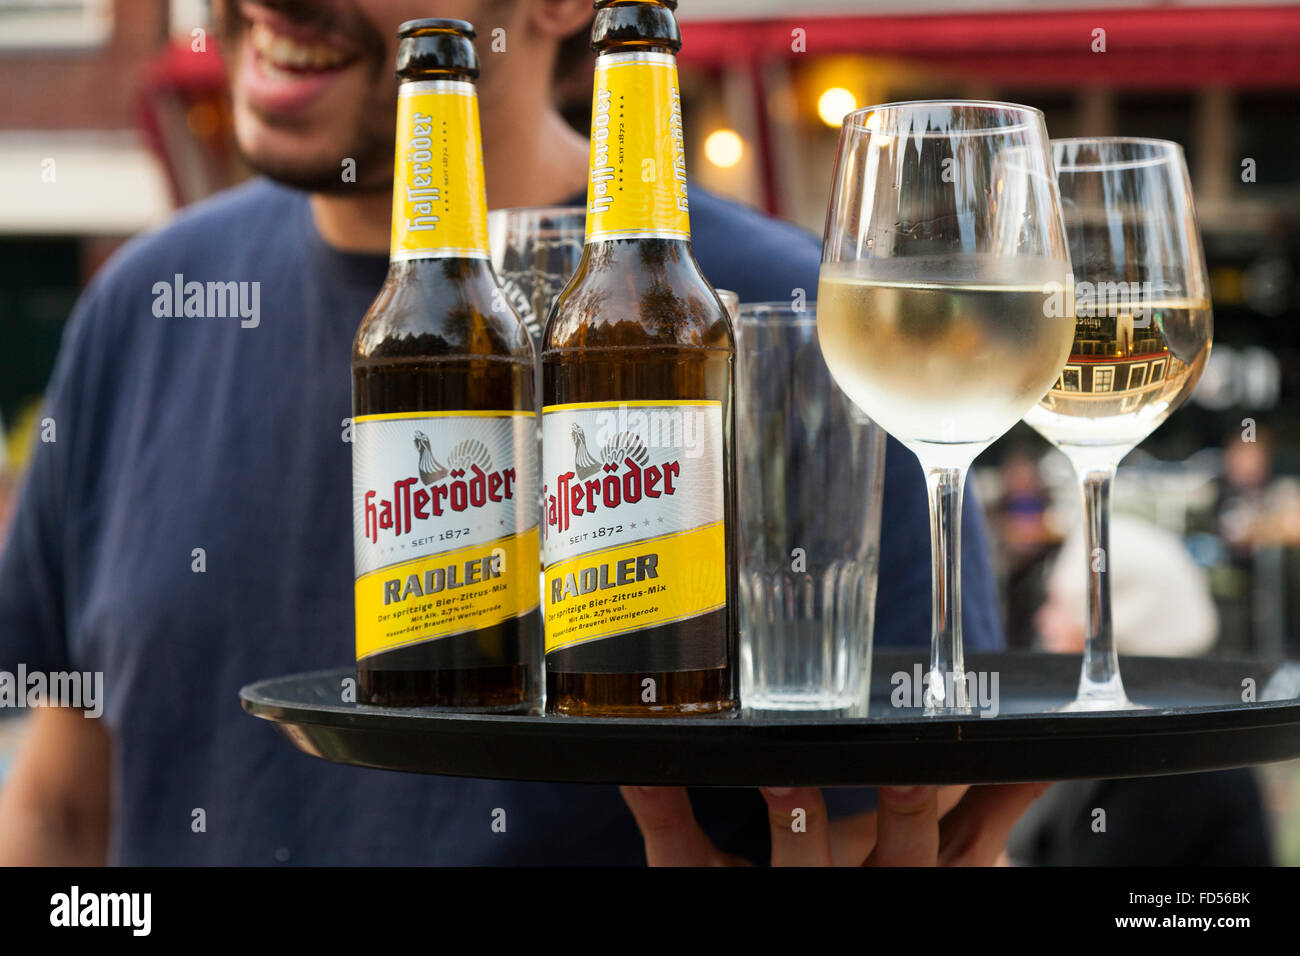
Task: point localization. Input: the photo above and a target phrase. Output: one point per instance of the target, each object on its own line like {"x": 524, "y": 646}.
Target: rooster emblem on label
{"x": 464, "y": 456}
{"x": 623, "y": 446}
{"x": 617, "y": 473}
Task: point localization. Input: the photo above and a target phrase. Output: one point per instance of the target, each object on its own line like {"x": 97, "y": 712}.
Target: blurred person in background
{"x": 180, "y": 434}
{"x": 1243, "y": 491}
{"x": 1242, "y": 503}
{"x": 1160, "y": 597}
{"x": 1162, "y": 608}
{"x": 1258, "y": 520}
{"x": 1026, "y": 542}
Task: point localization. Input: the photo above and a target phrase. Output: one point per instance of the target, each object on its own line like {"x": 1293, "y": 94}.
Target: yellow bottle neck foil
{"x": 439, "y": 201}
{"x": 637, "y": 183}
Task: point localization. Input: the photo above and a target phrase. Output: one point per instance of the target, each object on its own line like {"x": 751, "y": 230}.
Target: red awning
{"x": 179, "y": 67}
{"x": 176, "y": 79}
{"x": 1148, "y": 48}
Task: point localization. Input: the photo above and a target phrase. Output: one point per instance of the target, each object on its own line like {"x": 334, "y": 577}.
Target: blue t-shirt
{"x": 175, "y": 433}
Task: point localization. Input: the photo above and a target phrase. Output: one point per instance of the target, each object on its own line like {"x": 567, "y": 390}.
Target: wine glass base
{"x": 1087, "y": 704}
{"x": 947, "y": 711}
{"x": 1094, "y": 695}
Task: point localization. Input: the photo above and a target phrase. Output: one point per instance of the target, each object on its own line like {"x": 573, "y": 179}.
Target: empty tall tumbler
{"x": 810, "y": 477}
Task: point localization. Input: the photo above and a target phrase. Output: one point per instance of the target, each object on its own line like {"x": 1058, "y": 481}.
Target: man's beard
{"x": 371, "y": 166}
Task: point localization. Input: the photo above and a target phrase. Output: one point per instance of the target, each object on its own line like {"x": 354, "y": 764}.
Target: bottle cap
{"x": 646, "y": 22}
{"x": 425, "y": 25}
{"x": 435, "y": 44}
{"x": 670, "y": 4}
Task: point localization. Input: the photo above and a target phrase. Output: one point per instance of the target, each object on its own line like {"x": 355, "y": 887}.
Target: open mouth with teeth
{"x": 291, "y": 68}
{"x": 282, "y": 57}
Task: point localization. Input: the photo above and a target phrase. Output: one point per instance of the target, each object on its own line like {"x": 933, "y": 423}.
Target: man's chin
{"x": 306, "y": 169}
{"x": 312, "y": 179}
{"x": 307, "y": 160}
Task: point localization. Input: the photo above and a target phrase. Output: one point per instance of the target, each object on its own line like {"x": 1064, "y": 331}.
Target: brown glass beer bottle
{"x": 638, "y": 417}
{"x": 444, "y": 423}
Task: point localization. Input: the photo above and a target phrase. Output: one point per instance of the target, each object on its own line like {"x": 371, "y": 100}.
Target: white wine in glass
{"x": 943, "y": 360}
{"x": 1134, "y": 379}
{"x": 1142, "y": 338}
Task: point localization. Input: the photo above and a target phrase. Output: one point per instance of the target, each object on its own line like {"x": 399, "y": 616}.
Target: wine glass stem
{"x": 1099, "y": 679}
{"x": 946, "y": 689}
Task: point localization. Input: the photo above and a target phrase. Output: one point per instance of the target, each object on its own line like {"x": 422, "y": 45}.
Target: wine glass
{"x": 1141, "y": 298}
{"x": 943, "y": 240}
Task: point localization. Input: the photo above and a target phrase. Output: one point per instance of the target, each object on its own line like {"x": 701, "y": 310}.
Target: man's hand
{"x": 914, "y": 826}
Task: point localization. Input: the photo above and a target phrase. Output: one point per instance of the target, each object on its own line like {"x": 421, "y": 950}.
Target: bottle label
{"x": 439, "y": 203}
{"x": 637, "y": 185}
{"x": 444, "y": 521}
{"x": 634, "y": 538}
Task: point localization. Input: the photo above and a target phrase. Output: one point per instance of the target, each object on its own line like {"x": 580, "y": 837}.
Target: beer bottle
{"x": 638, "y": 414}
{"x": 444, "y": 446}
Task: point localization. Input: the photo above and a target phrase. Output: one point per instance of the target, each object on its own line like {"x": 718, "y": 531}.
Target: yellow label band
{"x": 635, "y": 586}
{"x": 637, "y": 183}
{"x": 448, "y": 593}
{"x": 637, "y": 403}
{"x": 439, "y": 202}
{"x": 398, "y": 416}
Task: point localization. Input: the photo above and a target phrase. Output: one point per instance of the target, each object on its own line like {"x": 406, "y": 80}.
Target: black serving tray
{"x": 1196, "y": 721}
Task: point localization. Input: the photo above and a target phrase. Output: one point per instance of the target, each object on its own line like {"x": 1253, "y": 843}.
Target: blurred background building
{"x": 114, "y": 114}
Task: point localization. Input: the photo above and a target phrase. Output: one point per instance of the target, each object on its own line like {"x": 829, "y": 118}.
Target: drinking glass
{"x": 1142, "y": 337}
{"x": 732, "y": 303}
{"x": 810, "y": 473}
{"x": 534, "y": 252}
{"x": 943, "y": 238}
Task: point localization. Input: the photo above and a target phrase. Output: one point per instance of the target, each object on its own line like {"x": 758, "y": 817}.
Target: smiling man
{"x": 190, "y": 530}
{"x": 313, "y": 86}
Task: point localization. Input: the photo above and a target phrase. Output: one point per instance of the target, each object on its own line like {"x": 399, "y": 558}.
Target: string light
{"x": 834, "y": 104}
{"x": 724, "y": 148}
